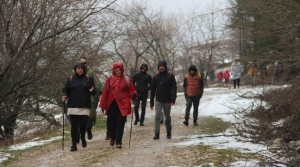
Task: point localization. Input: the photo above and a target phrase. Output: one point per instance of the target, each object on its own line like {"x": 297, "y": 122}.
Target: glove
{"x": 102, "y": 110}
{"x": 133, "y": 96}
{"x": 185, "y": 95}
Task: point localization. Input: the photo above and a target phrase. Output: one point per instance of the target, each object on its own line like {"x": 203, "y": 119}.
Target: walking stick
{"x": 63, "y": 138}
{"x": 63, "y": 125}
{"x": 131, "y": 122}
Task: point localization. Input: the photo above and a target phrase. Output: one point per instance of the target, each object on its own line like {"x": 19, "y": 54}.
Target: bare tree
{"x": 39, "y": 40}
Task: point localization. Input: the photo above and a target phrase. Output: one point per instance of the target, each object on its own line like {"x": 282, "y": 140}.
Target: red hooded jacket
{"x": 117, "y": 88}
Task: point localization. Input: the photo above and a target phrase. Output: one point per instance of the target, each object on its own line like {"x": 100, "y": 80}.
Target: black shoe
{"x": 107, "y": 137}
{"x": 195, "y": 124}
{"x": 186, "y": 123}
{"x": 142, "y": 124}
{"x": 73, "y": 148}
{"x": 156, "y": 137}
{"x": 169, "y": 136}
{"x": 83, "y": 143}
{"x": 112, "y": 142}
{"x": 90, "y": 135}
{"x": 118, "y": 145}
{"x": 161, "y": 122}
{"x": 135, "y": 122}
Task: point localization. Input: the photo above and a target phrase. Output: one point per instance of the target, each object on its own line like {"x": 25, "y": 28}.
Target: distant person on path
{"x": 277, "y": 73}
{"x": 164, "y": 89}
{"x": 212, "y": 75}
{"x": 115, "y": 100}
{"x": 142, "y": 82}
{"x": 253, "y": 72}
{"x": 78, "y": 89}
{"x": 220, "y": 77}
{"x": 226, "y": 77}
{"x": 236, "y": 72}
{"x": 193, "y": 90}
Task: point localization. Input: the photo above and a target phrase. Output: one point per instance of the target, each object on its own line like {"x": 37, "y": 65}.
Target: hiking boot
{"x": 112, "y": 142}
{"x": 107, "y": 135}
{"x": 118, "y": 145}
{"x": 73, "y": 148}
{"x": 186, "y": 123}
{"x": 90, "y": 135}
{"x": 156, "y": 137}
{"x": 169, "y": 136}
{"x": 142, "y": 124}
{"x": 135, "y": 122}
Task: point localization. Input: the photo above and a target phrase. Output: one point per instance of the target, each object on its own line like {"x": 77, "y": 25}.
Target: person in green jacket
{"x": 94, "y": 98}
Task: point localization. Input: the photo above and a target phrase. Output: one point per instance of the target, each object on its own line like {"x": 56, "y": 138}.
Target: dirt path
{"x": 143, "y": 150}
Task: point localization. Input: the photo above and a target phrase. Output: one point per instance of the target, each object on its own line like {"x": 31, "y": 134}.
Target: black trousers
{"x": 115, "y": 122}
{"x": 142, "y": 98}
{"x": 189, "y": 102}
{"x": 236, "y": 82}
{"x": 90, "y": 123}
{"x": 81, "y": 122}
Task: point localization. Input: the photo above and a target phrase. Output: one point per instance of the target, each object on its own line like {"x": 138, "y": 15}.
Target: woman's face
{"x": 118, "y": 71}
{"x": 79, "y": 70}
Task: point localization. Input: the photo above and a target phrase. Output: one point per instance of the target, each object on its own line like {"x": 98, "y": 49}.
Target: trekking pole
{"x": 63, "y": 138}
{"x": 131, "y": 122}
{"x": 63, "y": 124}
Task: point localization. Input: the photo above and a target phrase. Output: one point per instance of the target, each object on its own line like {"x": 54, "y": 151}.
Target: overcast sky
{"x": 176, "y": 6}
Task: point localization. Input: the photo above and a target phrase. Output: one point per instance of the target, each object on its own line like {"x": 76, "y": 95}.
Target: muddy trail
{"x": 143, "y": 150}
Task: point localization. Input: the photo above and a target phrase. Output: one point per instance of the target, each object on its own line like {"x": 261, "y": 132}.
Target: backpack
{"x": 88, "y": 77}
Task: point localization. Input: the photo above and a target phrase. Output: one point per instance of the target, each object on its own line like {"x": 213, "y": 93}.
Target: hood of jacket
{"x": 162, "y": 63}
{"x": 193, "y": 67}
{"x": 118, "y": 65}
{"x": 144, "y": 65}
{"x": 79, "y": 64}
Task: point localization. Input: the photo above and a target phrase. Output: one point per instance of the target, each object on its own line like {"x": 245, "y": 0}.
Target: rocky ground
{"x": 143, "y": 150}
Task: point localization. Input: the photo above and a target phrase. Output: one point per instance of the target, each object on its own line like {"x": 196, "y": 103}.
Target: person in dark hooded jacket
{"x": 78, "y": 89}
{"x": 142, "y": 82}
{"x": 164, "y": 89}
{"x": 193, "y": 91}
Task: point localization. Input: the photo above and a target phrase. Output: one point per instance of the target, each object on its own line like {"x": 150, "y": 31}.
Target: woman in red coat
{"x": 220, "y": 77}
{"x": 115, "y": 100}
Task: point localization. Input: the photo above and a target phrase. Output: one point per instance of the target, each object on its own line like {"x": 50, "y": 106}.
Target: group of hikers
{"x": 82, "y": 92}
{"x": 236, "y": 70}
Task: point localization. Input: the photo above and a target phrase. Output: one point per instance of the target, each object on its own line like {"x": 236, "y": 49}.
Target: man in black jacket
{"x": 142, "y": 82}
{"x": 164, "y": 89}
